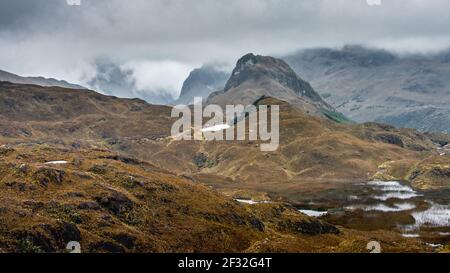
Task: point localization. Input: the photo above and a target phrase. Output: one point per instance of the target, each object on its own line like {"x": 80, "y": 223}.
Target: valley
{"x": 76, "y": 165}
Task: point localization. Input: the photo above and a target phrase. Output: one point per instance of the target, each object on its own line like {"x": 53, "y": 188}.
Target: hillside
{"x": 31, "y": 112}
{"x": 10, "y": 77}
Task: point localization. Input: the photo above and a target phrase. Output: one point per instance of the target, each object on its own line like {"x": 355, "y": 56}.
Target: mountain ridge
{"x": 13, "y": 78}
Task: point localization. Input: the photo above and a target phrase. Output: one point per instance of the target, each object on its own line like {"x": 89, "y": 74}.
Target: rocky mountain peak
{"x": 255, "y": 67}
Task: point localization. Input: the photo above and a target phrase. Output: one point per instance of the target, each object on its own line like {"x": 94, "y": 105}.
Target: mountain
{"x": 73, "y": 116}
{"x": 376, "y": 85}
{"x": 79, "y": 165}
{"x": 64, "y": 176}
{"x": 202, "y": 82}
{"x": 258, "y": 76}
{"x": 9, "y": 77}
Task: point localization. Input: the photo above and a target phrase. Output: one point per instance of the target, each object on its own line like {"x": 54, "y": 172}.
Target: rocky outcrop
{"x": 252, "y": 67}
{"x": 255, "y": 77}
{"x": 202, "y": 82}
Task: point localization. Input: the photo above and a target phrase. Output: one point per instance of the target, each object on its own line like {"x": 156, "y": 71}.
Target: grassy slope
{"x": 115, "y": 204}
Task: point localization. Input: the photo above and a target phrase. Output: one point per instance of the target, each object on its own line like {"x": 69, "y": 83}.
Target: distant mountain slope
{"x": 262, "y": 76}
{"x": 376, "y": 85}
{"x": 72, "y": 115}
{"x": 201, "y": 83}
{"x": 311, "y": 147}
{"x": 9, "y": 77}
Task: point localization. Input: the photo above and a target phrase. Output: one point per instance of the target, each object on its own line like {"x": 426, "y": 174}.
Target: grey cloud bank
{"x": 158, "y": 42}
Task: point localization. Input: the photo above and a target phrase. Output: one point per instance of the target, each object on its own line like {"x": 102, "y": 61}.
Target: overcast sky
{"x": 160, "y": 41}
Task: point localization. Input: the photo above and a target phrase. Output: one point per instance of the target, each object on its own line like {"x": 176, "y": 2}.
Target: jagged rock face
{"x": 201, "y": 83}
{"x": 255, "y": 77}
{"x": 255, "y": 67}
{"x": 376, "y": 85}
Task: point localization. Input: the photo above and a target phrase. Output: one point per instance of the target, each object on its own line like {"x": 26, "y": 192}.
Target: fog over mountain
{"x": 112, "y": 79}
{"x": 52, "y": 39}
{"x": 376, "y": 85}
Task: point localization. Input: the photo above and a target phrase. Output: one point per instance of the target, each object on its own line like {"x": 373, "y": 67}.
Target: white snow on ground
{"x": 216, "y": 128}
{"x": 313, "y": 213}
{"x": 251, "y": 202}
{"x": 411, "y": 235}
{"x": 434, "y": 245}
{"x": 56, "y": 162}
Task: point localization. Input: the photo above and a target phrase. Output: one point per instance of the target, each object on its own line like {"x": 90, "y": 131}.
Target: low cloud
{"x": 159, "y": 76}
{"x": 156, "y": 82}
{"x": 159, "y": 40}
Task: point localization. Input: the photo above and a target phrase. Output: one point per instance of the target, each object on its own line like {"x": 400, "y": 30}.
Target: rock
{"x": 48, "y": 238}
{"x": 47, "y": 175}
{"x": 98, "y": 169}
{"x": 390, "y": 139}
{"x": 108, "y": 247}
{"x": 116, "y": 202}
{"x": 67, "y": 232}
{"x": 75, "y": 194}
{"x": 125, "y": 239}
{"x": 257, "y": 224}
{"x": 34, "y": 205}
{"x": 83, "y": 175}
{"x": 131, "y": 182}
{"x": 31, "y": 242}
{"x": 6, "y": 150}
{"x": 23, "y": 168}
{"x": 21, "y": 186}
{"x": 89, "y": 206}
{"x": 309, "y": 227}
{"x": 441, "y": 171}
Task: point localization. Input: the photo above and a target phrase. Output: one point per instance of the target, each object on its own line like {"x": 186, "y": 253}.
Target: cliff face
{"x": 201, "y": 83}
{"x": 262, "y": 76}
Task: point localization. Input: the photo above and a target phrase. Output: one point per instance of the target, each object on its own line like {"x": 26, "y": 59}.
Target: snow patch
{"x": 251, "y": 202}
{"x": 59, "y": 162}
{"x": 313, "y": 213}
{"x": 411, "y": 235}
{"x": 216, "y": 128}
